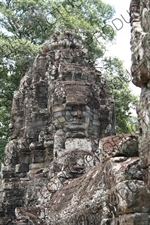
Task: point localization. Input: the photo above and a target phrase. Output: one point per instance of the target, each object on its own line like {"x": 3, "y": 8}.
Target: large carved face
{"x": 75, "y": 109}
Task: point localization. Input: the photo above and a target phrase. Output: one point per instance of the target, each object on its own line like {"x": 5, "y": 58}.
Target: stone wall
{"x": 140, "y": 15}
{"x": 140, "y": 36}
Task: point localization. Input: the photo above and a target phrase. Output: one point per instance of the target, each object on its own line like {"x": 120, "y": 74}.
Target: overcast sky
{"x": 121, "y": 25}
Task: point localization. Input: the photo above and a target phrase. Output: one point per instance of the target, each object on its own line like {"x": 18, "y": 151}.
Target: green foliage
{"x": 35, "y": 20}
{"x": 87, "y": 18}
{"x": 118, "y": 81}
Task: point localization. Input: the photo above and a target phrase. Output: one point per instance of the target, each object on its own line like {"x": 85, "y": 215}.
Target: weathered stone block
{"x": 119, "y": 169}
{"x": 24, "y": 157}
{"x": 22, "y": 168}
{"x": 132, "y": 197}
{"x": 37, "y": 156}
{"x": 134, "y": 219}
{"x": 78, "y": 144}
{"x": 36, "y": 165}
{"x": 118, "y": 145}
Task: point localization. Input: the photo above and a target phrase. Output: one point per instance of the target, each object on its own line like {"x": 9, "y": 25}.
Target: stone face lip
{"x": 63, "y": 163}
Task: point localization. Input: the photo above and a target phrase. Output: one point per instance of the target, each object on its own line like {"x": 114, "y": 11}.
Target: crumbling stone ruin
{"x": 64, "y": 164}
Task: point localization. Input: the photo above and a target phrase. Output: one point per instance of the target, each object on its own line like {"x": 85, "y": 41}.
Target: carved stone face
{"x": 76, "y": 110}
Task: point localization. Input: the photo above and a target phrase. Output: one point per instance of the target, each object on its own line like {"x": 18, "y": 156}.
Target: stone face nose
{"x": 78, "y": 113}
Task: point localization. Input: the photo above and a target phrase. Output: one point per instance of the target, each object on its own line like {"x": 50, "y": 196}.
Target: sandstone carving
{"x": 60, "y": 111}
{"x": 64, "y": 164}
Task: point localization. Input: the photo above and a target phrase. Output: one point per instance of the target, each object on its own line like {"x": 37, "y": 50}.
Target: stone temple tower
{"x": 60, "y": 111}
